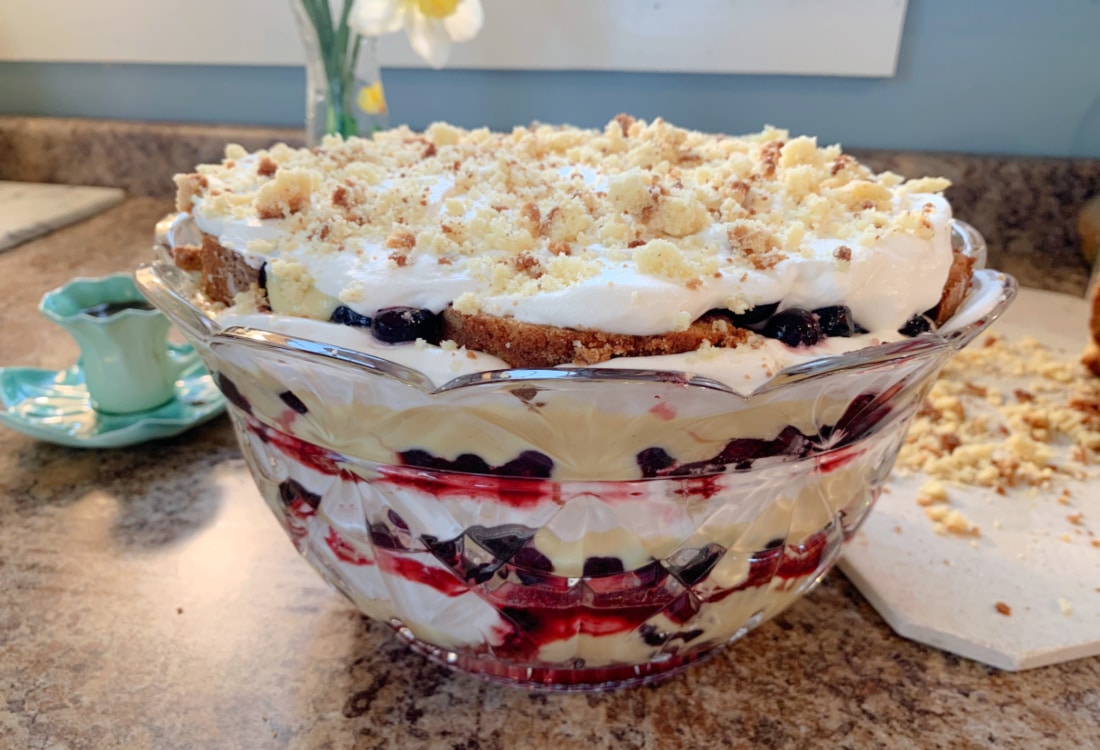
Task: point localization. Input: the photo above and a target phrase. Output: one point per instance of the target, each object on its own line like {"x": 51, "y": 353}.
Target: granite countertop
{"x": 150, "y": 600}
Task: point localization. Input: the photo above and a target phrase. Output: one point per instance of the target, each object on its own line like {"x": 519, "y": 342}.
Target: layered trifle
{"x": 566, "y": 406}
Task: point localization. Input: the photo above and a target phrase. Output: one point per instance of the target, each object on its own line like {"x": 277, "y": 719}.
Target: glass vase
{"x": 344, "y": 94}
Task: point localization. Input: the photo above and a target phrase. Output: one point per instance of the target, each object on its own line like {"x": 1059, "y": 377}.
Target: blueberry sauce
{"x": 528, "y": 464}
{"x": 543, "y": 609}
{"x": 740, "y": 454}
{"x": 292, "y": 493}
{"x": 310, "y": 455}
{"x": 343, "y": 551}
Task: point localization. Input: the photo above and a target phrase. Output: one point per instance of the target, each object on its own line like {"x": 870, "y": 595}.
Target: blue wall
{"x": 983, "y": 76}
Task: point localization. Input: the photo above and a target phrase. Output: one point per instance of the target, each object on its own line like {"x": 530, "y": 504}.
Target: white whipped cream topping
{"x": 885, "y": 283}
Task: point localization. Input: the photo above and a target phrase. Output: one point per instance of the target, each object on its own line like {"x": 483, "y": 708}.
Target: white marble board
{"x": 942, "y": 590}
{"x": 29, "y": 209}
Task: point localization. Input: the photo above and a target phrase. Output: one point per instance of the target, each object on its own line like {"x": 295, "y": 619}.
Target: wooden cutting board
{"x": 1036, "y": 555}
{"x": 29, "y": 210}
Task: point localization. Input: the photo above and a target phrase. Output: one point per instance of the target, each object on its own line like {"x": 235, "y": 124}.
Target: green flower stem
{"x": 338, "y": 52}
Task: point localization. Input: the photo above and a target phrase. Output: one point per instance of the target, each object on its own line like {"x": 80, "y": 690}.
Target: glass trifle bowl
{"x": 567, "y": 528}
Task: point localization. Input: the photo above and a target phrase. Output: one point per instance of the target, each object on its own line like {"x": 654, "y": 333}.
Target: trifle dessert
{"x": 570, "y": 407}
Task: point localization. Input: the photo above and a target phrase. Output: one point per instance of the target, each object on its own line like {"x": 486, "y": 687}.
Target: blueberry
{"x": 865, "y": 411}
{"x": 700, "y": 565}
{"x": 531, "y": 464}
{"x": 652, "y": 461}
{"x": 789, "y": 442}
{"x": 293, "y": 402}
{"x": 651, "y": 635}
{"x": 523, "y": 618}
{"x": 231, "y": 392}
{"x": 397, "y": 324}
{"x": 502, "y": 541}
{"x": 396, "y": 520}
{"x": 469, "y": 463}
{"x": 915, "y": 326}
{"x": 529, "y": 558}
{"x": 794, "y": 327}
{"x": 482, "y": 572}
{"x": 597, "y": 567}
{"x": 835, "y": 320}
{"x": 754, "y": 315}
{"x": 447, "y": 552}
{"x": 682, "y": 608}
{"x": 420, "y": 459}
{"x": 345, "y": 316}
{"x": 383, "y": 536}
{"x": 689, "y": 635}
{"x": 528, "y": 464}
{"x": 742, "y": 451}
{"x": 291, "y": 491}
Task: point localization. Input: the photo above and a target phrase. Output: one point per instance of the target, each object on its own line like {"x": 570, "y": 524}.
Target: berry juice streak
{"x": 539, "y": 608}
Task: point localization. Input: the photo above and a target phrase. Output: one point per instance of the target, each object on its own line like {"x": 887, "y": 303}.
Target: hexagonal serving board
{"x": 943, "y": 590}
{"x": 33, "y": 209}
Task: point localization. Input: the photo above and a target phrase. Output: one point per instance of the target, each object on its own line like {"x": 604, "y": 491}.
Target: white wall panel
{"x": 815, "y": 37}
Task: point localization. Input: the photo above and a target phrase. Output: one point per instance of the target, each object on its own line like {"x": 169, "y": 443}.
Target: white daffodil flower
{"x": 431, "y": 25}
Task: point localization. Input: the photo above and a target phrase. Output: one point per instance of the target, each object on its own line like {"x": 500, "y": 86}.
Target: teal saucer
{"x": 54, "y": 406}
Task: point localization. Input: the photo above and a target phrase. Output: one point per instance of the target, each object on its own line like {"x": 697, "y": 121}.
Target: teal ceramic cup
{"x": 129, "y": 364}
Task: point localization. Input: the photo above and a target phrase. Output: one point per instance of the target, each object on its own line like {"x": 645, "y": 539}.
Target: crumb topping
{"x": 541, "y": 208}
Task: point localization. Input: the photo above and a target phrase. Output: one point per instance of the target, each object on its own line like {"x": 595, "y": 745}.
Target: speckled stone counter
{"x": 1024, "y": 207}
{"x": 149, "y": 600}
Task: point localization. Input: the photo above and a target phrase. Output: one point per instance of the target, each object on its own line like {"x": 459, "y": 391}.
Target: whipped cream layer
{"x": 636, "y": 229}
{"x": 743, "y": 369}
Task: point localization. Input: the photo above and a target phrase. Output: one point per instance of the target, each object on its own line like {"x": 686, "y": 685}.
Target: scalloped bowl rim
{"x": 162, "y": 283}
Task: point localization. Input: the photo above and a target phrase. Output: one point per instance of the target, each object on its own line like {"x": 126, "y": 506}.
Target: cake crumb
{"x": 1065, "y": 606}
{"x": 967, "y": 434}
{"x": 1003, "y": 609}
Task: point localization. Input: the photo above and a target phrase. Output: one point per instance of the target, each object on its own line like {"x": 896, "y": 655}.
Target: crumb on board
{"x": 978, "y": 431}
{"x": 1003, "y": 609}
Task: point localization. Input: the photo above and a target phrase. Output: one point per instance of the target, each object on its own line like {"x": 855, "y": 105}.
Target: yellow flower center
{"x": 437, "y": 8}
{"x": 372, "y": 99}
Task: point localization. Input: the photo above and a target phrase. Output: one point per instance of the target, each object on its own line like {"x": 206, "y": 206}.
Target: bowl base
{"x": 556, "y": 679}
